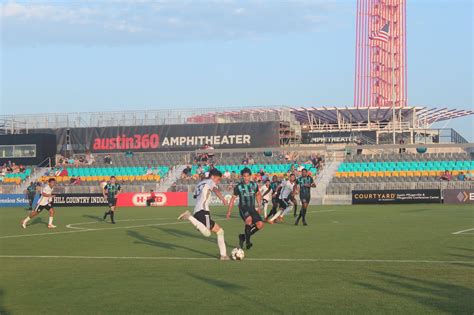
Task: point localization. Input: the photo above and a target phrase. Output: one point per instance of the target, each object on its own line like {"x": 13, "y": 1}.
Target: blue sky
{"x": 61, "y": 56}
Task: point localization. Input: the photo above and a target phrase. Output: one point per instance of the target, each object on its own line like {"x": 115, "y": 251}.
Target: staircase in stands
{"x": 172, "y": 176}
{"x": 332, "y": 163}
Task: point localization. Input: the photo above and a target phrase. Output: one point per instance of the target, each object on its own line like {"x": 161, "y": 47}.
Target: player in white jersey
{"x": 266, "y": 192}
{"x": 286, "y": 192}
{"x": 44, "y": 203}
{"x": 201, "y": 216}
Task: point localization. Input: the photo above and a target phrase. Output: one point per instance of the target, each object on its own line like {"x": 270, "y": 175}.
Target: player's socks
{"x": 241, "y": 240}
{"x": 276, "y": 215}
{"x": 265, "y": 207}
{"x": 112, "y": 216}
{"x": 248, "y": 234}
{"x": 25, "y": 220}
{"x": 303, "y": 215}
{"x": 106, "y": 214}
{"x": 272, "y": 212}
{"x": 295, "y": 209}
{"x": 286, "y": 211}
{"x": 199, "y": 226}
{"x": 50, "y": 221}
{"x": 221, "y": 243}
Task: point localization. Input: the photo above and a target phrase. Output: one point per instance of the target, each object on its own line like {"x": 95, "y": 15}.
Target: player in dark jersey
{"x": 304, "y": 184}
{"x": 31, "y": 194}
{"x": 111, "y": 191}
{"x": 275, "y": 186}
{"x": 249, "y": 197}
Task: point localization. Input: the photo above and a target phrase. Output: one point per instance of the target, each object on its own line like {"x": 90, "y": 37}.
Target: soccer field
{"x": 350, "y": 259}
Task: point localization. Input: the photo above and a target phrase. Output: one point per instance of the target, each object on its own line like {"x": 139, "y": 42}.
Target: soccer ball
{"x": 237, "y": 254}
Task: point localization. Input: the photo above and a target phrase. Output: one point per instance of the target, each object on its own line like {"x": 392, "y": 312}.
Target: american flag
{"x": 382, "y": 35}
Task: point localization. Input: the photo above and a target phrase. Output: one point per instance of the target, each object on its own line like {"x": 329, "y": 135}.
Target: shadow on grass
{"x": 187, "y": 234}
{"x": 218, "y": 283}
{"x": 444, "y": 297}
{"x": 142, "y": 239}
{"x": 3, "y": 309}
{"x": 240, "y": 291}
{"x": 93, "y": 217}
{"x": 37, "y": 220}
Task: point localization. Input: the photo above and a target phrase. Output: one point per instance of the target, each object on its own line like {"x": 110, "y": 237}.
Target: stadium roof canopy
{"x": 331, "y": 115}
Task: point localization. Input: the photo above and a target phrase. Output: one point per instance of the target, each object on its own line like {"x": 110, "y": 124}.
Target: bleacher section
{"x": 126, "y": 174}
{"x": 401, "y": 171}
{"x": 15, "y": 178}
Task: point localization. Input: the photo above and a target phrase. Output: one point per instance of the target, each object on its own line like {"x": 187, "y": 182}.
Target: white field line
{"x": 72, "y": 225}
{"x": 342, "y": 260}
{"x": 79, "y": 230}
{"x": 91, "y": 230}
{"x": 463, "y": 231}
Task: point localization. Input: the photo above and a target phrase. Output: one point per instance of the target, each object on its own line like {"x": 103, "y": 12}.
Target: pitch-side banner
{"x": 170, "y": 137}
{"x": 396, "y": 196}
{"x": 458, "y": 196}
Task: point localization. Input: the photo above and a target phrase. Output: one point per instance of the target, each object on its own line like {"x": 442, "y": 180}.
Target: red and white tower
{"x": 381, "y": 63}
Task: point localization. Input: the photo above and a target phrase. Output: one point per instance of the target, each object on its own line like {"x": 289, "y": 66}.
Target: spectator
{"x": 77, "y": 181}
{"x": 90, "y": 159}
{"x": 151, "y": 198}
{"x": 358, "y": 142}
{"x": 461, "y": 177}
{"x": 128, "y": 154}
{"x": 149, "y": 170}
{"x": 251, "y": 161}
{"x": 446, "y": 176}
{"x": 468, "y": 176}
{"x": 107, "y": 159}
{"x": 226, "y": 174}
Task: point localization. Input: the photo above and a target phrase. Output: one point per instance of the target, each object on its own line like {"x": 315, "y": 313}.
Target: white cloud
{"x": 153, "y": 21}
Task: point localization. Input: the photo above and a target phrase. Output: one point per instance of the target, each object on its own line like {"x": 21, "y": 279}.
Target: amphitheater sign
{"x": 170, "y": 137}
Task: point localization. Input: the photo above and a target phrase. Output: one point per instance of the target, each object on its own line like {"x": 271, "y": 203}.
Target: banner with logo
{"x": 13, "y": 200}
{"x": 79, "y": 200}
{"x": 396, "y": 196}
{"x": 167, "y": 199}
{"x": 186, "y": 137}
{"x": 458, "y": 196}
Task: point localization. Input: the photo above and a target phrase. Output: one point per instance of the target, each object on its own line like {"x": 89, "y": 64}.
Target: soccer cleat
{"x": 184, "y": 216}
{"x": 224, "y": 258}
{"x": 113, "y": 222}
{"x": 51, "y": 226}
{"x": 304, "y": 223}
{"x": 241, "y": 240}
{"x": 23, "y": 224}
{"x": 248, "y": 245}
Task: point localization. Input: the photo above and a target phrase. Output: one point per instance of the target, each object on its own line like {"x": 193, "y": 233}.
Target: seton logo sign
{"x": 458, "y": 196}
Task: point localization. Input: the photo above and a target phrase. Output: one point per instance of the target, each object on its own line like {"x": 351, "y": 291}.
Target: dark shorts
{"x": 47, "y": 207}
{"x": 305, "y": 198}
{"x": 246, "y": 212}
{"x": 204, "y": 217}
{"x": 112, "y": 202}
{"x": 264, "y": 201}
{"x": 275, "y": 200}
{"x": 284, "y": 203}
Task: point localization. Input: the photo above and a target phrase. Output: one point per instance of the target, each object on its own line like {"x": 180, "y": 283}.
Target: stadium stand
{"x": 403, "y": 171}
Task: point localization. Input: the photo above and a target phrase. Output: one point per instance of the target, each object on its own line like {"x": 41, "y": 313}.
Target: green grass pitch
{"x": 350, "y": 259}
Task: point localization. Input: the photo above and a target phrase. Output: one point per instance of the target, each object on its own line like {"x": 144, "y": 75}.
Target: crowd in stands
{"x": 447, "y": 176}
{"x": 204, "y": 163}
{"x": 87, "y": 159}
{"x": 10, "y": 168}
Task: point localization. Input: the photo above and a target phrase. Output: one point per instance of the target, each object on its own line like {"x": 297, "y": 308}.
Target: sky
{"x": 80, "y": 55}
